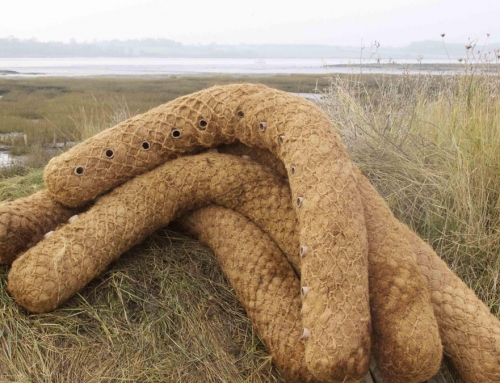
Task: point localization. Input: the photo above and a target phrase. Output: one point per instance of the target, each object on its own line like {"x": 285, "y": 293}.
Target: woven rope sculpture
{"x": 322, "y": 181}
{"x": 391, "y": 275}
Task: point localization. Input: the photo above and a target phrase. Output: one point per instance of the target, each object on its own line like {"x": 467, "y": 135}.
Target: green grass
{"x": 15, "y": 187}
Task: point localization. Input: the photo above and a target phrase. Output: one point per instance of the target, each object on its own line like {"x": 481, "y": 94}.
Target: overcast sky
{"x": 336, "y": 22}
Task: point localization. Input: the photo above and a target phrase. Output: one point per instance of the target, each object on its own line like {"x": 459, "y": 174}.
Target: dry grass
{"x": 162, "y": 313}
{"x": 432, "y": 148}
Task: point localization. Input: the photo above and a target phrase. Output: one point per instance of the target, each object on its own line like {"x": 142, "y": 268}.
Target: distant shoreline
{"x": 181, "y": 67}
{"x": 438, "y": 67}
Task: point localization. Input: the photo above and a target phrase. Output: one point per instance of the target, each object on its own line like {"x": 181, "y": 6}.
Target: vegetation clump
{"x": 431, "y": 145}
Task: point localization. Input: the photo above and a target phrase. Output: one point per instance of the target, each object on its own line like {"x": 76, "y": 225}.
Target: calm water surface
{"x": 75, "y": 67}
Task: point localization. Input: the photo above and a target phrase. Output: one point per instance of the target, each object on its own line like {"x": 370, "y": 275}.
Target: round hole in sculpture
{"x": 145, "y": 145}
{"x": 262, "y": 126}
{"x": 240, "y": 114}
{"x": 109, "y": 153}
{"x": 281, "y": 139}
{"x": 176, "y": 133}
{"x": 79, "y": 170}
{"x": 294, "y": 170}
{"x": 202, "y": 124}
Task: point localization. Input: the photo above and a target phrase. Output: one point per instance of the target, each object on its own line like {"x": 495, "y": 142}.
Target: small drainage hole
{"x": 109, "y": 153}
{"x": 79, "y": 170}
{"x": 203, "y": 124}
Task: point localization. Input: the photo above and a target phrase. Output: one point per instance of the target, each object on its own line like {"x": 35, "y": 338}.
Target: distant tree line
{"x": 14, "y": 47}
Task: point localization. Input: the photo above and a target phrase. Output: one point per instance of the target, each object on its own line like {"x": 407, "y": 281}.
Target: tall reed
{"x": 431, "y": 145}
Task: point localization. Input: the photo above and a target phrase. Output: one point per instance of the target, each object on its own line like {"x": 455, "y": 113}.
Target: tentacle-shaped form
{"x": 406, "y": 339}
{"x": 264, "y": 282}
{"x": 469, "y": 332}
{"x": 322, "y": 182}
{"x": 61, "y": 264}
{"x": 25, "y": 221}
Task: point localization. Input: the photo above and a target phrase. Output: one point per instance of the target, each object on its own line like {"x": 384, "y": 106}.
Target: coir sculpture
{"x": 354, "y": 258}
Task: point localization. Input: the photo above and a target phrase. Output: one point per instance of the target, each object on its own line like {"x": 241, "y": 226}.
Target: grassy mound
{"x": 162, "y": 313}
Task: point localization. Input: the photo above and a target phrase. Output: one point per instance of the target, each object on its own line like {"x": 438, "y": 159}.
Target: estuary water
{"x": 78, "y": 67}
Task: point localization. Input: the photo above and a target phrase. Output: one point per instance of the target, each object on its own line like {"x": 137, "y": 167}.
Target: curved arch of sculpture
{"x": 323, "y": 185}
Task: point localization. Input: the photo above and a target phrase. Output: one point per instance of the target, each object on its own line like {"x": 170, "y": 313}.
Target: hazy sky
{"x": 337, "y": 22}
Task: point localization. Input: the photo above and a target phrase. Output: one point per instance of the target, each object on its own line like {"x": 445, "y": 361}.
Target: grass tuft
{"x": 431, "y": 145}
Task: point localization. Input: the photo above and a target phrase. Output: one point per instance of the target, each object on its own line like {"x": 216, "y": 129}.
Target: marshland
{"x": 164, "y": 311}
